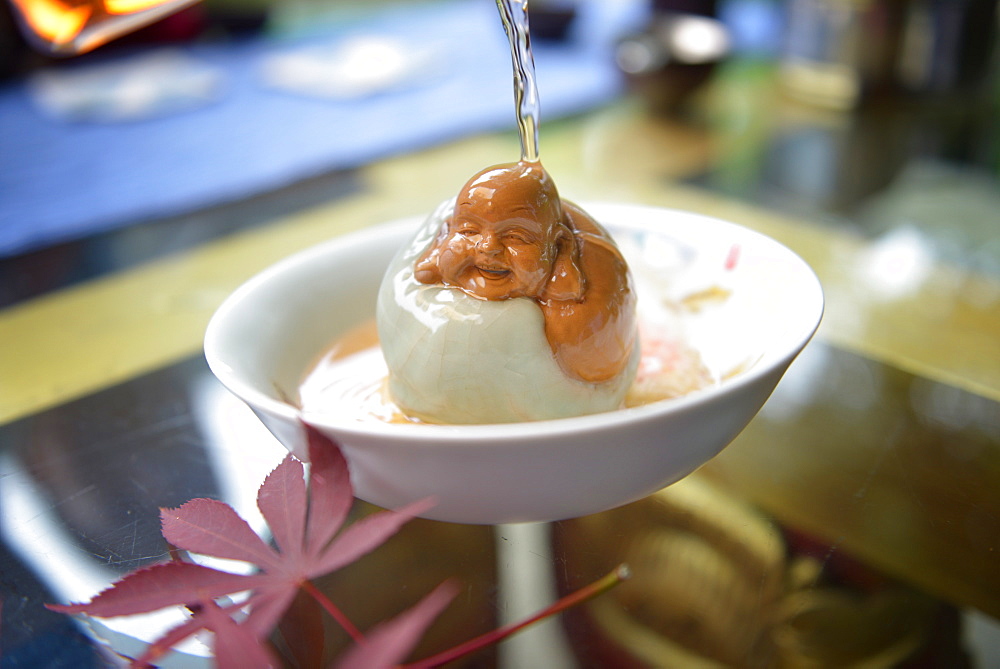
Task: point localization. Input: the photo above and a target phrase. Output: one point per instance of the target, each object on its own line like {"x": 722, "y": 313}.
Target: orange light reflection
{"x": 133, "y": 6}
{"x": 54, "y": 21}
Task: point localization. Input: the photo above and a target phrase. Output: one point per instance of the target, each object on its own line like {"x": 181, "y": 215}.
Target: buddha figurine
{"x": 520, "y": 307}
{"x": 511, "y": 236}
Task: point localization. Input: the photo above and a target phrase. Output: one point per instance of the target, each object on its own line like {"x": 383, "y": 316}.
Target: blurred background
{"x": 877, "y": 115}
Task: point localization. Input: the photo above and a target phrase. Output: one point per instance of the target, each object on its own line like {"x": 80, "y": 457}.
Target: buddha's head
{"x": 507, "y": 237}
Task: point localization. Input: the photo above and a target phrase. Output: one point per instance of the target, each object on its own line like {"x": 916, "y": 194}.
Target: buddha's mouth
{"x": 493, "y": 272}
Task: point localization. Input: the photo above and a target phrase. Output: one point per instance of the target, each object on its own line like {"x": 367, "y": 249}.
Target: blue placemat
{"x": 63, "y": 179}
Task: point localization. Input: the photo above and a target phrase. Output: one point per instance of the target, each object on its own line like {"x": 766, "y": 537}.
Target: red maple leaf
{"x": 304, "y": 523}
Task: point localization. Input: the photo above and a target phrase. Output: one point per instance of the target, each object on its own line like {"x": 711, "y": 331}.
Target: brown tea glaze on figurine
{"x": 509, "y": 236}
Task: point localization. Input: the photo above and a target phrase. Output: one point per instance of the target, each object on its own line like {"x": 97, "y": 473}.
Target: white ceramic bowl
{"x": 266, "y": 334}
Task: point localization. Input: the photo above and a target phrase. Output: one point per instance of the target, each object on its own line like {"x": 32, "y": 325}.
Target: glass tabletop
{"x": 854, "y": 522}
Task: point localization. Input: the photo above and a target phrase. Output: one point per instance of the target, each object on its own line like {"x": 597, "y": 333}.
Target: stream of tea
{"x": 514, "y": 15}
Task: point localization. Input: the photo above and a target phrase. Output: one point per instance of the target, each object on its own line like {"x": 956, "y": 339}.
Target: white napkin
{"x": 355, "y": 67}
{"x": 158, "y": 83}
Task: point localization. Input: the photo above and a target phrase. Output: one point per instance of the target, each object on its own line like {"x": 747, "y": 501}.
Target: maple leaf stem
{"x": 598, "y": 587}
{"x": 334, "y": 611}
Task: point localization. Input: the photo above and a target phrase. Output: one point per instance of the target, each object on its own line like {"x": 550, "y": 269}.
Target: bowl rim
{"x": 493, "y": 432}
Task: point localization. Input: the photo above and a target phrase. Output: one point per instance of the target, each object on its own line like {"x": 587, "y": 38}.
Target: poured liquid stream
{"x": 514, "y": 14}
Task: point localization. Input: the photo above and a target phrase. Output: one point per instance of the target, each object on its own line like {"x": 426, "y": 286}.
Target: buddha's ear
{"x": 567, "y": 281}
{"x": 427, "y": 268}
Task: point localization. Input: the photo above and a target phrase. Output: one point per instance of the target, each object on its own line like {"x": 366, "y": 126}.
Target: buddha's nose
{"x": 489, "y": 244}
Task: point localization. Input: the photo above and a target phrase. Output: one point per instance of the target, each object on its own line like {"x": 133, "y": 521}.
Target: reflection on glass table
{"x": 81, "y": 493}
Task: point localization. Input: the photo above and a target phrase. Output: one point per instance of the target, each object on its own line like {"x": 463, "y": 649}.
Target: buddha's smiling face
{"x": 502, "y": 239}
{"x": 496, "y": 254}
